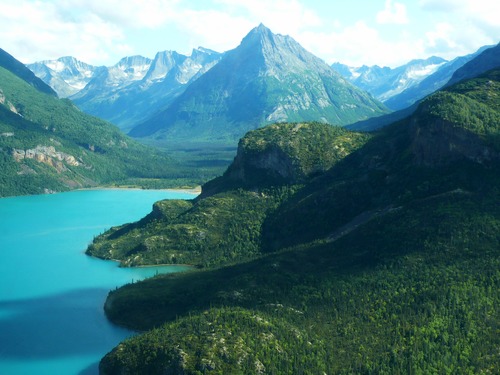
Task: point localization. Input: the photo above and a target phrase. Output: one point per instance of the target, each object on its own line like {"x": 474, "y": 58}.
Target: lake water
{"x": 52, "y": 294}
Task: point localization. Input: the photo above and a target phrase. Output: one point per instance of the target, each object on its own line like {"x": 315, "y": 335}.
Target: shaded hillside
{"x": 47, "y": 144}
{"x": 487, "y": 60}
{"x": 386, "y": 263}
{"x": 268, "y": 78}
{"x": 206, "y": 231}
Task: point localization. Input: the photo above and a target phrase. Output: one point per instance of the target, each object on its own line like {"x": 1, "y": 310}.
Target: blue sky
{"x": 355, "y": 32}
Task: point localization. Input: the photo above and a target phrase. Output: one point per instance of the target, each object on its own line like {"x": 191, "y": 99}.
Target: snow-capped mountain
{"x": 403, "y": 86}
{"x": 431, "y": 83}
{"x": 66, "y": 75}
{"x": 129, "y": 91}
{"x": 137, "y": 87}
{"x": 267, "y": 78}
{"x": 384, "y": 83}
{"x": 109, "y": 80}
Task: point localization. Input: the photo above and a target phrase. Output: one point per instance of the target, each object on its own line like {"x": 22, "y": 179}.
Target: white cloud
{"x": 222, "y": 28}
{"x": 442, "y": 5}
{"x": 128, "y": 13}
{"x": 463, "y": 26}
{"x": 102, "y": 31}
{"x": 49, "y": 30}
{"x": 283, "y": 16}
{"x": 213, "y": 29}
{"x": 393, "y": 13}
{"x": 360, "y": 43}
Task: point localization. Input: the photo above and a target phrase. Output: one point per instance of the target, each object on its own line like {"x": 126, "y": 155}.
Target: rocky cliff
{"x": 286, "y": 153}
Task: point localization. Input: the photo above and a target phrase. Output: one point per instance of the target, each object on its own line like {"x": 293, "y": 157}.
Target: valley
{"x": 348, "y": 220}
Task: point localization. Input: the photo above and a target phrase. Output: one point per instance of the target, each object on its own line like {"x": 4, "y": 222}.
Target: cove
{"x": 51, "y": 293}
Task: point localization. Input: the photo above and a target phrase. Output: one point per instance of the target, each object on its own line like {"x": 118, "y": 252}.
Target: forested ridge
{"x": 385, "y": 262}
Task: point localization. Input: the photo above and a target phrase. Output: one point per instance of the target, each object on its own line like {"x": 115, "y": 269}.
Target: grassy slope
{"x": 388, "y": 263}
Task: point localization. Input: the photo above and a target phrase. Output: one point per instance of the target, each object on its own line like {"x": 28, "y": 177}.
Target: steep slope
{"x": 65, "y": 75}
{"x": 386, "y": 263}
{"x": 47, "y": 144}
{"x": 267, "y": 78}
{"x": 14, "y": 66}
{"x": 206, "y": 232}
{"x": 487, "y": 60}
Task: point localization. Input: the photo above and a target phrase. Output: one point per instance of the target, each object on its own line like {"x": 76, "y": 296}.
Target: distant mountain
{"x": 403, "y": 86}
{"x": 136, "y": 87}
{"x": 14, "y": 66}
{"x": 65, "y": 75}
{"x": 385, "y": 83}
{"x": 486, "y": 60}
{"x": 267, "y": 78}
{"x": 406, "y": 103}
{"x": 47, "y": 144}
{"x": 129, "y": 91}
{"x": 431, "y": 83}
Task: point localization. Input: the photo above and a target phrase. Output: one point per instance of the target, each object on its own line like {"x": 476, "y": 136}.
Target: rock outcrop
{"x": 47, "y": 155}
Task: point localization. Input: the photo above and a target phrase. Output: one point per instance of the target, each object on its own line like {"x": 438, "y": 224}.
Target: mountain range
{"x": 267, "y": 78}
{"x": 403, "y": 86}
{"x": 128, "y": 91}
{"x": 48, "y": 145}
{"x": 216, "y": 96}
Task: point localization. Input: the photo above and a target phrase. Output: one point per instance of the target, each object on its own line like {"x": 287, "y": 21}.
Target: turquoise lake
{"x": 51, "y": 293}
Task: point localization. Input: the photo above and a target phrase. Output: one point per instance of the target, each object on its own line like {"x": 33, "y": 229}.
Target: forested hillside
{"x": 224, "y": 224}
{"x": 386, "y": 262}
{"x": 47, "y": 144}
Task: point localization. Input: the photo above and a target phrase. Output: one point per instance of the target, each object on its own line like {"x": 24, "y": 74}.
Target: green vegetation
{"x": 225, "y": 227}
{"x": 181, "y": 231}
{"x": 60, "y": 148}
{"x": 388, "y": 262}
{"x": 413, "y": 291}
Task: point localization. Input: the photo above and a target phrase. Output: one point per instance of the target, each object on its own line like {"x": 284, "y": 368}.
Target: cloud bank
{"x": 390, "y": 32}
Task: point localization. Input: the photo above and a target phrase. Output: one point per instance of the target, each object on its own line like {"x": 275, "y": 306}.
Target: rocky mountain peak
{"x": 162, "y": 64}
{"x": 276, "y": 52}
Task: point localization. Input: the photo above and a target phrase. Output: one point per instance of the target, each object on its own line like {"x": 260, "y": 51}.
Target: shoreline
{"x": 119, "y": 264}
{"x": 196, "y": 190}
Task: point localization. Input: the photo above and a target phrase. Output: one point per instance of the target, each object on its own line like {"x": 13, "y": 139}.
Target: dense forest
{"x": 362, "y": 254}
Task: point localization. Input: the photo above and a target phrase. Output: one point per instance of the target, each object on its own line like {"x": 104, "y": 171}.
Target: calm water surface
{"x": 51, "y": 293}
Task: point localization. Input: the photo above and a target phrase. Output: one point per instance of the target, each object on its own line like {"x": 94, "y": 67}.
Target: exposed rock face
{"x": 439, "y": 142}
{"x": 4, "y": 101}
{"x": 272, "y": 163}
{"x": 285, "y": 153}
{"x": 47, "y": 155}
